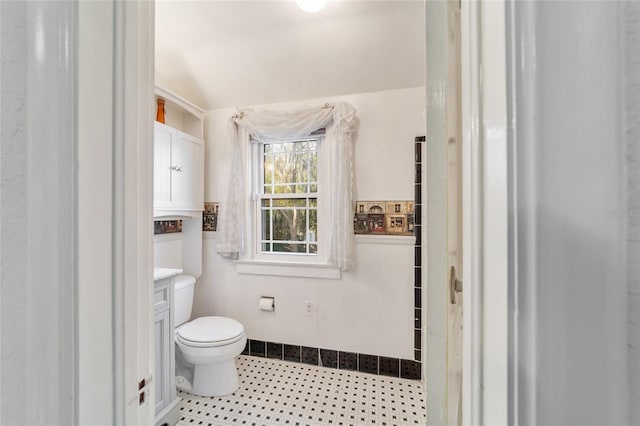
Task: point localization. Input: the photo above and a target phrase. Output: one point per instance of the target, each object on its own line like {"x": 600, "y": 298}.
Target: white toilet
{"x": 205, "y": 347}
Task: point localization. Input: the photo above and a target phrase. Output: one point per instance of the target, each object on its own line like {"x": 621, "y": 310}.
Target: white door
{"x": 454, "y": 222}
{"x": 444, "y": 210}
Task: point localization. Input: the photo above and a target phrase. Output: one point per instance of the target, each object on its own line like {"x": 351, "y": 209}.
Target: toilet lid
{"x": 211, "y": 330}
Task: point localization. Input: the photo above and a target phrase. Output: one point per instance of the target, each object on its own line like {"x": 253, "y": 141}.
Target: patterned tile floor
{"x": 274, "y": 392}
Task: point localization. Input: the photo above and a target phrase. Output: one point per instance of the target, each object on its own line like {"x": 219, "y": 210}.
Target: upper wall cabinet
{"x": 178, "y": 158}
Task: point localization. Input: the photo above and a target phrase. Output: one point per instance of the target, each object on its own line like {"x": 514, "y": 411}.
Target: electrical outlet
{"x": 310, "y": 308}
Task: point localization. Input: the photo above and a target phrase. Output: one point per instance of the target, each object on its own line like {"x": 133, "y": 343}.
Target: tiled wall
{"x": 366, "y": 363}
{"x": 167, "y": 226}
{"x": 417, "y": 232}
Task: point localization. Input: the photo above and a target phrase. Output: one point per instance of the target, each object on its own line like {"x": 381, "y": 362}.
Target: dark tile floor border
{"x": 331, "y": 358}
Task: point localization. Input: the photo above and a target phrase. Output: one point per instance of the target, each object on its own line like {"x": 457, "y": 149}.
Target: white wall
{"x": 369, "y": 310}
{"x": 571, "y": 345}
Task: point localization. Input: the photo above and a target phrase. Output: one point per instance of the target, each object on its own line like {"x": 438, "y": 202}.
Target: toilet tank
{"x": 183, "y": 298}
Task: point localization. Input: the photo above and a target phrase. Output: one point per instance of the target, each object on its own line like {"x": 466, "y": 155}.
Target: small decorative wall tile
{"x": 420, "y": 138}
{"x": 347, "y": 360}
{"x": 274, "y": 350}
{"x": 417, "y": 211}
{"x": 417, "y": 193}
{"x": 167, "y": 226}
{"x": 292, "y": 353}
{"x": 418, "y": 170}
{"x": 389, "y": 366}
{"x": 328, "y": 358}
{"x": 417, "y": 276}
{"x": 417, "y": 334}
{"x": 368, "y": 363}
{"x": 210, "y": 216}
{"x": 418, "y": 317}
{"x": 384, "y": 217}
{"x": 418, "y": 257}
{"x": 257, "y": 348}
{"x": 417, "y": 232}
{"x": 418, "y": 152}
{"x": 410, "y": 369}
{"x": 417, "y": 297}
{"x": 309, "y": 355}
{"x": 417, "y": 354}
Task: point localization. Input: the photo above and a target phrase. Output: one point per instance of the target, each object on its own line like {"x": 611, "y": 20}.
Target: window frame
{"x": 258, "y": 194}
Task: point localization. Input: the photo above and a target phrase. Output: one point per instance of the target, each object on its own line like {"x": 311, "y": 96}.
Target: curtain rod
{"x": 240, "y": 114}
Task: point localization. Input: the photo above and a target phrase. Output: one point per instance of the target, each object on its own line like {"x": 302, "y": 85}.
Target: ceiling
{"x": 235, "y": 53}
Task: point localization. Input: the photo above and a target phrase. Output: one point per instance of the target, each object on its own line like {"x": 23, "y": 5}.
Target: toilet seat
{"x": 207, "y": 332}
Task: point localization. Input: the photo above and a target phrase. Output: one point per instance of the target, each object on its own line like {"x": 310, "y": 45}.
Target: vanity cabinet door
{"x": 186, "y": 176}
{"x": 178, "y": 175}
{"x": 164, "y": 136}
{"x": 163, "y": 361}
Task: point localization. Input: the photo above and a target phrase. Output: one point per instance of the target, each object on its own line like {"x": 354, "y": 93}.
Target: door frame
{"x": 485, "y": 213}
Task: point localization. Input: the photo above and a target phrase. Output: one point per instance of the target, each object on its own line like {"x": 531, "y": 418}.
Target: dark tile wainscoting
{"x": 365, "y": 363}
{"x": 417, "y": 232}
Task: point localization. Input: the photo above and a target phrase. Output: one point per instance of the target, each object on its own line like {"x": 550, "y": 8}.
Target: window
{"x": 287, "y": 197}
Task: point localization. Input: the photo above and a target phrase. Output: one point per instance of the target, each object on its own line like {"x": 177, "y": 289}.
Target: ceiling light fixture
{"x": 311, "y": 6}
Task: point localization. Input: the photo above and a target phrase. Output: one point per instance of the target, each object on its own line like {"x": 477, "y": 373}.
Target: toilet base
{"x": 217, "y": 379}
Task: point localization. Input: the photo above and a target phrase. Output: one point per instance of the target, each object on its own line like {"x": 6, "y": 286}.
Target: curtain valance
{"x": 276, "y": 126}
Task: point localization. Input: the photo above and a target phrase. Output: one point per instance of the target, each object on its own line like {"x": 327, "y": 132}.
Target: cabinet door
{"x": 163, "y": 340}
{"x": 163, "y": 139}
{"x": 187, "y": 179}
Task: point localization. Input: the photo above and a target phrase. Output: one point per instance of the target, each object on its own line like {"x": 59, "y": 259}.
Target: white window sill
{"x": 401, "y": 240}
{"x": 287, "y": 269}
{"x": 309, "y": 270}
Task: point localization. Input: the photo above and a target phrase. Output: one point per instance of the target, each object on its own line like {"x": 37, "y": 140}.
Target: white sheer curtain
{"x": 273, "y": 126}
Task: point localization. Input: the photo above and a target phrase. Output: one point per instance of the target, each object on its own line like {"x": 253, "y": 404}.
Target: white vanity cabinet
{"x": 178, "y": 183}
{"x": 167, "y": 401}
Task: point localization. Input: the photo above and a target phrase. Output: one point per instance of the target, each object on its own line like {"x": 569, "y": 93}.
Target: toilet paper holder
{"x": 267, "y": 303}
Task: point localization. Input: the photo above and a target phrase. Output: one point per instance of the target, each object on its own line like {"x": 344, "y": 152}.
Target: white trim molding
{"x": 485, "y": 263}
{"x": 38, "y": 213}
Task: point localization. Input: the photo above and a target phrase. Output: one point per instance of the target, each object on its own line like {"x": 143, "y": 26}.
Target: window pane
{"x": 266, "y": 202}
{"x": 289, "y": 202}
{"x": 313, "y": 222}
{"x": 266, "y": 246}
{"x": 288, "y": 164}
{"x": 298, "y": 248}
{"x": 266, "y": 224}
{"x": 289, "y": 248}
{"x": 283, "y": 189}
{"x": 313, "y": 248}
{"x": 313, "y": 187}
{"x": 281, "y": 247}
{"x": 289, "y": 225}
{"x": 268, "y": 173}
{"x": 313, "y": 202}
{"x": 313, "y": 167}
